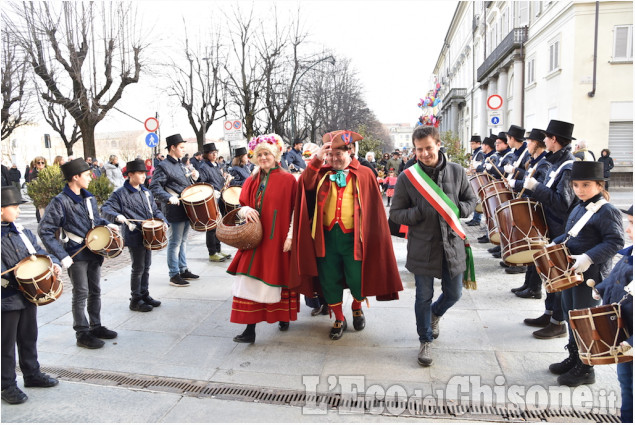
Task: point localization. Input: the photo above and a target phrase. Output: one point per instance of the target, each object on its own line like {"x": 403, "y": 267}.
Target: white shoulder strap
{"x": 520, "y": 159}
{"x": 25, "y": 239}
{"x": 89, "y": 207}
{"x": 591, "y": 209}
{"x": 554, "y": 174}
{"x": 147, "y": 193}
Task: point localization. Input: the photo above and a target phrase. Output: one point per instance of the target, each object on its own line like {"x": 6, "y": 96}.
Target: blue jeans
{"x": 476, "y": 216}
{"x": 177, "y": 244}
{"x": 625, "y": 376}
{"x": 451, "y": 288}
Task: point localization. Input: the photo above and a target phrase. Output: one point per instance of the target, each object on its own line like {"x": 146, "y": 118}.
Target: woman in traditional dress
{"x": 262, "y": 274}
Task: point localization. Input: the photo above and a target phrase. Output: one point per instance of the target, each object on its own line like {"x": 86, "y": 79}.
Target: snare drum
{"x": 200, "y": 206}
{"x": 598, "y": 331}
{"x": 155, "y": 234}
{"x": 477, "y": 181}
{"x": 104, "y": 241}
{"x": 494, "y": 194}
{"x": 231, "y": 198}
{"x": 37, "y": 280}
{"x": 523, "y": 230}
{"x": 553, "y": 265}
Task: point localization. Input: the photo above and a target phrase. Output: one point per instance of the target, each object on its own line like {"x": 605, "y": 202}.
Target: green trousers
{"x": 339, "y": 267}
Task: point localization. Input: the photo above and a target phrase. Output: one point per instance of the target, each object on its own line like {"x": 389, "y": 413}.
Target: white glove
{"x": 67, "y": 262}
{"x": 511, "y": 182}
{"x": 195, "y": 174}
{"x": 216, "y": 194}
{"x": 550, "y": 244}
{"x": 113, "y": 226}
{"x": 488, "y": 166}
{"x": 131, "y": 226}
{"x": 623, "y": 348}
{"x": 508, "y": 169}
{"x": 121, "y": 219}
{"x": 173, "y": 200}
{"x": 582, "y": 263}
{"x": 530, "y": 183}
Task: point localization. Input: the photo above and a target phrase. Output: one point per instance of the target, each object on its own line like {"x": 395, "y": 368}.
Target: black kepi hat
{"x": 136, "y": 165}
{"x": 587, "y": 170}
{"x": 476, "y": 139}
{"x": 516, "y": 132}
{"x": 561, "y": 129}
{"x": 240, "y": 152}
{"x": 537, "y": 134}
{"x": 11, "y": 196}
{"x": 74, "y": 167}
{"x": 174, "y": 139}
{"x": 209, "y": 147}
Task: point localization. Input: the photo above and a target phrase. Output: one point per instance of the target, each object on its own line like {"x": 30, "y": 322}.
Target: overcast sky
{"x": 393, "y": 45}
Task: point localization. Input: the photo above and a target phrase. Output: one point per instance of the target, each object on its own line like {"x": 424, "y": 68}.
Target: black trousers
{"x": 212, "y": 242}
{"x": 19, "y": 327}
{"x": 140, "y": 274}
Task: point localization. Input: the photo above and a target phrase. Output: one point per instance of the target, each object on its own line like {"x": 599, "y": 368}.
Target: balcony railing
{"x": 516, "y": 38}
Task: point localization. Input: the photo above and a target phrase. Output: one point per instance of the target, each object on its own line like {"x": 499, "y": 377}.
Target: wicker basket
{"x": 242, "y": 236}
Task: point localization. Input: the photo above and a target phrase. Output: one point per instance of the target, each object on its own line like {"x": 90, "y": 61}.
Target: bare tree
{"x": 92, "y": 50}
{"x": 200, "y": 85}
{"x": 55, "y": 115}
{"x": 15, "y": 97}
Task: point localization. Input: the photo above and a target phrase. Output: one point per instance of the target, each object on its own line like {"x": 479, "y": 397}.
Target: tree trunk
{"x": 88, "y": 139}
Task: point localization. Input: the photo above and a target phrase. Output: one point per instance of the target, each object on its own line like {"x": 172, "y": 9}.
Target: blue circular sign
{"x": 152, "y": 140}
{"x": 495, "y": 120}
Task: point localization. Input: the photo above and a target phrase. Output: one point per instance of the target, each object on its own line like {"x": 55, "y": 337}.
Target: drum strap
{"x": 591, "y": 209}
{"x": 89, "y": 207}
{"x": 554, "y": 174}
{"x": 520, "y": 158}
{"x": 147, "y": 193}
{"x": 27, "y": 242}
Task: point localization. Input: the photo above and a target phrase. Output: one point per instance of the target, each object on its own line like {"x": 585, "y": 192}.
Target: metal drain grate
{"x": 412, "y": 408}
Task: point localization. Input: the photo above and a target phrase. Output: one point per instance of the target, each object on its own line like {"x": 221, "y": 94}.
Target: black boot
{"x": 520, "y": 288}
{"x": 138, "y": 304}
{"x": 283, "y": 326}
{"x": 149, "y": 300}
{"x": 581, "y": 374}
{"x": 248, "y": 335}
{"x": 539, "y": 322}
{"x": 568, "y": 363}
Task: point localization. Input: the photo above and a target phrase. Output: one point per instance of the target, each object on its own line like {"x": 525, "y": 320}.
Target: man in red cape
{"x": 341, "y": 236}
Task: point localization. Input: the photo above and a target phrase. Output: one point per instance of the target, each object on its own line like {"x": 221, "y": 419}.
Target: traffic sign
{"x": 233, "y": 130}
{"x": 494, "y": 101}
{"x": 152, "y": 140}
{"x": 494, "y": 118}
{"x": 151, "y": 124}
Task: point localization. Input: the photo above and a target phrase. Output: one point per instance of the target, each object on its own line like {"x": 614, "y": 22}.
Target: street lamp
{"x": 331, "y": 59}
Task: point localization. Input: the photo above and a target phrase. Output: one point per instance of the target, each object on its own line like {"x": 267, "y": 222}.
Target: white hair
{"x": 370, "y": 155}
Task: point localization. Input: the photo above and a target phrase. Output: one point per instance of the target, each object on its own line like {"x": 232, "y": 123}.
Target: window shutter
{"x": 621, "y": 43}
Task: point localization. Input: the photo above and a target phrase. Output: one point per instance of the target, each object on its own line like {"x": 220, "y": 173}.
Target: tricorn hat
{"x": 489, "y": 142}
{"x": 561, "y": 129}
{"x": 209, "y": 147}
{"x": 11, "y": 196}
{"x": 341, "y": 138}
{"x": 476, "y": 139}
{"x": 74, "y": 167}
{"x": 174, "y": 139}
{"x": 516, "y": 132}
{"x": 240, "y": 152}
{"x": 587, "y": 170}
{"x": 136, "y": 165}
{"x": 537, "y": 135}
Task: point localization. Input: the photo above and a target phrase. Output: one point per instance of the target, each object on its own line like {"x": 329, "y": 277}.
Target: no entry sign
{"x": 494, "y": 101}
{"x": 151, "y": 124}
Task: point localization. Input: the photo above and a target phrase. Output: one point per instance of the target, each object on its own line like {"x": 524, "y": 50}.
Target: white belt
{"x": 66, "y": 235}
{"x": 171, "y": 192}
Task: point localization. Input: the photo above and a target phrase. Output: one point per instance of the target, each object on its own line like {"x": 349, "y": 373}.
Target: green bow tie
{"x": 339, "y": 178}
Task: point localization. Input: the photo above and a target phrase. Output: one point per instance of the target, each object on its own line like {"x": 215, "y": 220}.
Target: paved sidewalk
{"x": 483, "y": 351}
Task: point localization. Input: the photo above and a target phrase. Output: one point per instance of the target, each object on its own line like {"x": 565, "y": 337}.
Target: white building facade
{"x": 566, "y": 60}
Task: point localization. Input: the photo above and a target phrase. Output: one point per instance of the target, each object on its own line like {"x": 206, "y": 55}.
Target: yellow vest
{"x": 339, "y": 207}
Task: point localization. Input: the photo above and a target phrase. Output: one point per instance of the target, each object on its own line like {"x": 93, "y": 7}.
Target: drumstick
{"x": 33, "y": 258}
{"x": 530, "y": 176}
{"x": 83, "y": 246}
{"x": 192, "y": 193}
{"x": 591, "y": 284}
{"x": 497, "y": 170}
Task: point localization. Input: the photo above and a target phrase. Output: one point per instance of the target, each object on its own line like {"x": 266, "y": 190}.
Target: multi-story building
{"x": 401, "y": 135}
{"x": 566, "y": 60}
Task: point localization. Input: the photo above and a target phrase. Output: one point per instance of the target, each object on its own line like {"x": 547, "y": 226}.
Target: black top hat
{"x": 628, "y": 211}
{"x": 489, "y": 142}
{"x": 561, "y": 129}
{"x": 516, "y": 132}
{"x": 174, "y": 139}
{"x": 209, "y": 147}
{"x": 537, "y": 134}
{"x": 502, "y": 136}
{"x": 11, "y": 196}
{"x": 476, "y": 139}
{"x": 587, "y": 170}
{"x": 74, "y": 167}
{"x": 240, "y": 152}
{"x": 136, "y": 165}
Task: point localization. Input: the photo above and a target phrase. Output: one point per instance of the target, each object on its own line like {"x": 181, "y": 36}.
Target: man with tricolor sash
{"x": 429, "y": 198}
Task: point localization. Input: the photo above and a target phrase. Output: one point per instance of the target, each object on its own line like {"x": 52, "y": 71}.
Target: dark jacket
{"x": 240, "y": 173}
{"x": 612, "y": 288}
{"x": 195, "y": 163}
{"x": 135, "y": 204}
{"x": 608, "y": 165}
{"x": 6, "y": 177}
{"x": 481, "y": 168}
{"x": 478, "y": 155}
{"x": 212, "y": 174}
{"x": 170, "y": 175}
{"x": 430, "y": 238}
{"x": 15, "y": 174}
{"x": 68, "y": 211}
{"x": 14, "y": 251}
{"x": 557, "y": 200}
{"x": 365, "y": 163}
{"x": 600, "y": 238}
{"x": 500, "y": 160}
{"x": 540, "y": 165}
{"x": 294, "y": 157}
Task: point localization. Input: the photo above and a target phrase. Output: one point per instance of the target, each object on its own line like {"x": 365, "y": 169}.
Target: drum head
{"x": 152, "y": 224}
{"x": 98, "y": 238}
{"x": 231, "y": 195}
{"x": 197, "y": 193}
{"x": 32, "y": 269}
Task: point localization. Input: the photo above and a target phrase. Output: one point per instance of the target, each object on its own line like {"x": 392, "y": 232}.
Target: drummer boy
{"x": 19, "y": 316}
{"x": 130, "y": 205}
{"x": 73, "y": 213}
